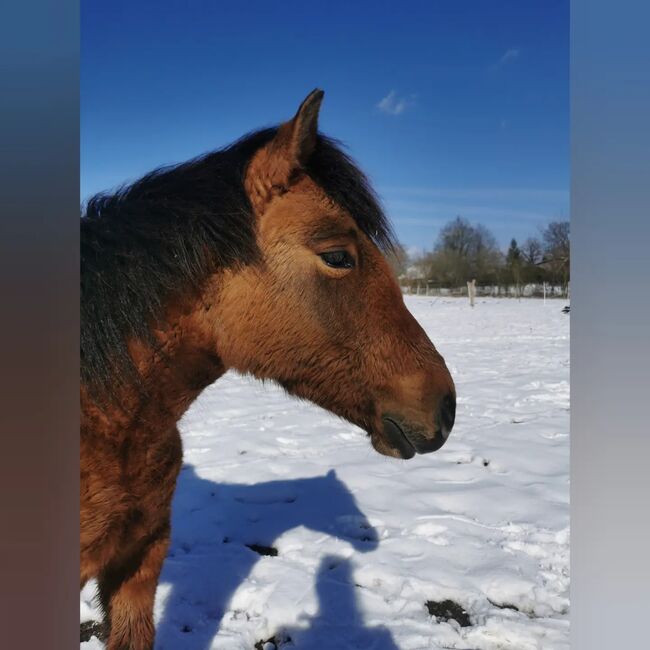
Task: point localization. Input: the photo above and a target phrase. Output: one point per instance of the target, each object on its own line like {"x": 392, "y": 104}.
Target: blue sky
{"x": 454, "y": 107}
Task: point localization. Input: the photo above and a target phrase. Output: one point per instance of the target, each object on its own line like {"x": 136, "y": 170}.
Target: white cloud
{"x": 414, "y": 252}
{"x": 510, "y": 55}
{"x": 392, "y": 104}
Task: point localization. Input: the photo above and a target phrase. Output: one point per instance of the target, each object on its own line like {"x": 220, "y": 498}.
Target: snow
{"x": 364, "y": 541}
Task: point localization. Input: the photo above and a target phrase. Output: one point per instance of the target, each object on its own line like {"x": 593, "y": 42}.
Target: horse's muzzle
{"x": 408, "y": 440}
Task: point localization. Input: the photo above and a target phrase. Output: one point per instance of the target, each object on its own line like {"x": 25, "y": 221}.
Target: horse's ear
{"x": 274, "y": 166}
{"x": 303, "y": 128}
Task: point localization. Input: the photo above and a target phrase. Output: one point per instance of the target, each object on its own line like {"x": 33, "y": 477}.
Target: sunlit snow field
{"x": 364, "y": 541}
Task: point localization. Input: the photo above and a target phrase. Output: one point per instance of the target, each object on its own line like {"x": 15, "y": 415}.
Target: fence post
{"x": 544, "y": 285}
{"x": 471, "y": 291}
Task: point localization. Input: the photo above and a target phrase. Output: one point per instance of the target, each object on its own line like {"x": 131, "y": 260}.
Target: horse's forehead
{"x": 306, "y": 193}
{"x": 303, "y": 208}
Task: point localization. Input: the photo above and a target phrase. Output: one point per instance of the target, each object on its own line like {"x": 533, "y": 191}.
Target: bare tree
{"x": 557, "y": 249}
{"x": 557, "y": 239}
{"x": 458, "y": 236}
{"x": 532, "y": 252}
{"x": 463, "y": 251}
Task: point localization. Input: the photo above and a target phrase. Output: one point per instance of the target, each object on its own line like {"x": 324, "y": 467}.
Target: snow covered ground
{"x": 364, "y": 541}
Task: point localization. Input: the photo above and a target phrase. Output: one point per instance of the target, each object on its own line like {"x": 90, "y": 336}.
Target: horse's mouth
{"x": 396, "y": 438}
{"x": 406, "y": 442}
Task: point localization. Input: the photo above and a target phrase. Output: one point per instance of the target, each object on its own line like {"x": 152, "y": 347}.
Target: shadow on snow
{"x": 213, "y": 527}
{"x": 338, "y": 624}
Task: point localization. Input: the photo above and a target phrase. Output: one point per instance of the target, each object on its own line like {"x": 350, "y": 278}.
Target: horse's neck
{"x": 173, "y": 373}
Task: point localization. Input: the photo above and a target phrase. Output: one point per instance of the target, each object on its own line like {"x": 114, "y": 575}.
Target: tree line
{"x": 464, "y": 251}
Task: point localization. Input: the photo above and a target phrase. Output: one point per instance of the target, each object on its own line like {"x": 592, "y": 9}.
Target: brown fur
{"x": 341, "y": 338}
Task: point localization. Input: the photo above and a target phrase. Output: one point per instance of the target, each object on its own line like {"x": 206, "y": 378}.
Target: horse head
{"x": 321, "y": 312}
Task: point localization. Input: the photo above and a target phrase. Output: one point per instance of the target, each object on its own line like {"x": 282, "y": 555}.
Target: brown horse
{"x": 264, "y": 257}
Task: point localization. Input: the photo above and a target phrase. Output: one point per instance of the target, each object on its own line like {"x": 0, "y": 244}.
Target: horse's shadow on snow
{"x": 214, "y": 526}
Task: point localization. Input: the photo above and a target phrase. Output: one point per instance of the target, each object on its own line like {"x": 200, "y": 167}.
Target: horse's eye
{"x": 338, "y": 259}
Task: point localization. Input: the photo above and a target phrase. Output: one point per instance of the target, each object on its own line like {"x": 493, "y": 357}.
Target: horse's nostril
{"x": 447, "y": 414}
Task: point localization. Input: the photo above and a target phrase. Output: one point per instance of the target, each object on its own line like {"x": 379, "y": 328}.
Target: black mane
{"x": 170, "y": 230}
